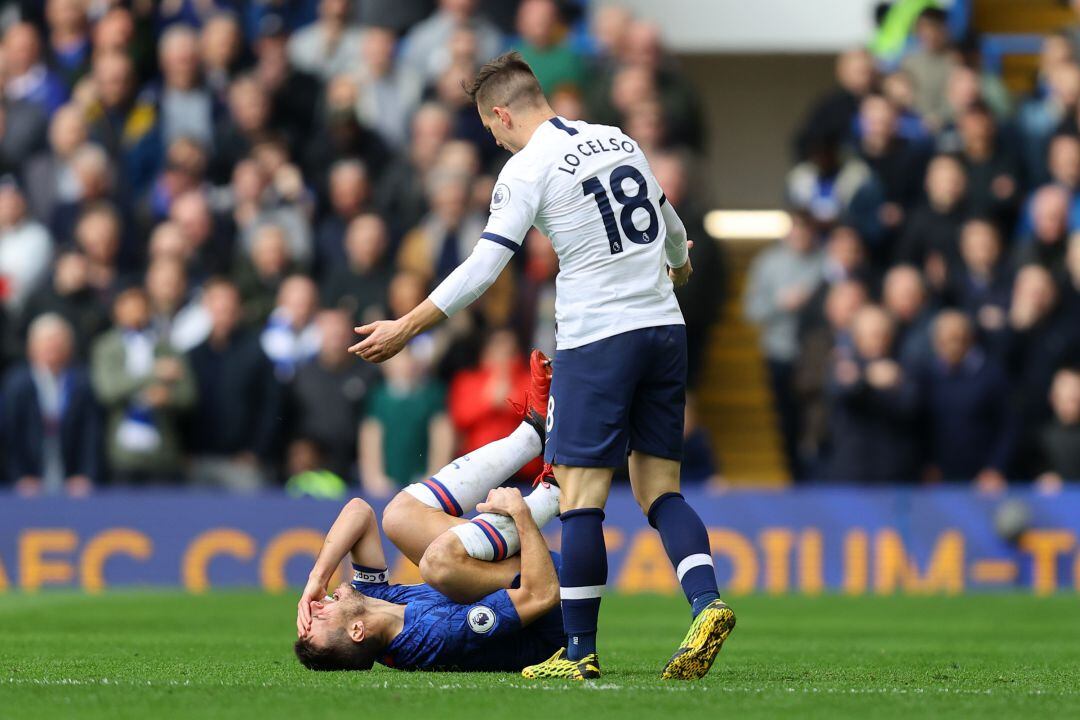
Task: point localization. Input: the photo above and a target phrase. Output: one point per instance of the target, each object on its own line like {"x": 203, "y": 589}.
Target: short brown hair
{"x": 341, "y": 653}
{"x": 504, "y": 81}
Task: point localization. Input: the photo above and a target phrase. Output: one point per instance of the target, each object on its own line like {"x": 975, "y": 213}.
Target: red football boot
{"x": 540, "y": 372}
{"x": 534, "y": 411}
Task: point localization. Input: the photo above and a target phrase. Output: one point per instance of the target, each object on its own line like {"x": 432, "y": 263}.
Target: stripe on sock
{"x": 476, "y": 542}
{"x": 690, "y": 562}
{"x": 498, "y": 542}
{"x": 585, "y": 592}
{"x": 449, "y": 504}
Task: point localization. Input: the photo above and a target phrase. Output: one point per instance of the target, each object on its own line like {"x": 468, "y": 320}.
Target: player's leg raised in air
{"x": 464, "y": 560}
{"x": 626, "y": 391}
{"x": 424, "y": 520}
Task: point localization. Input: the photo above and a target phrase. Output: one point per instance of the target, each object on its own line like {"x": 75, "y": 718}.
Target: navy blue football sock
{"x": 582, "y": 577}
{"x": 700, "y": 602}
{"x": 687, "y": 544}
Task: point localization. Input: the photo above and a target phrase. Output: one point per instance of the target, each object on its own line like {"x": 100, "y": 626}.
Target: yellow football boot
{"x": 702, "y": 642}
{"x": 561, "y": 667}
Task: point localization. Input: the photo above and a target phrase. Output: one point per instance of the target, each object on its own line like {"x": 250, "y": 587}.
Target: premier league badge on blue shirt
{"x": 481, "y": 619}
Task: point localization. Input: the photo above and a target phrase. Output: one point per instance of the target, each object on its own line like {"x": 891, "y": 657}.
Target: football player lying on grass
{"x": 490, "y": 596}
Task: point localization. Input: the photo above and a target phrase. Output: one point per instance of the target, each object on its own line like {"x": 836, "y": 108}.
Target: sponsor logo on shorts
{"x": 481, "y": 619}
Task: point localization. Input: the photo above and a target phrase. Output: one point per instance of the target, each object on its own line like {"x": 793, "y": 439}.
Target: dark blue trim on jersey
{"x": 505, "y": 242}
{"x": 563, "y": 126}
{"x": 663, "y": 198}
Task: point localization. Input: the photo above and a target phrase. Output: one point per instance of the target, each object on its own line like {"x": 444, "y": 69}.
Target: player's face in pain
{"x": 334, "y": 612}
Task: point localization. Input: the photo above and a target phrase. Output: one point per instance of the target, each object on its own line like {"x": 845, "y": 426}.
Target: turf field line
{"x": 97, "y": 682}
{"x": 545, "y": 687}
{"x": 704, "y": 689}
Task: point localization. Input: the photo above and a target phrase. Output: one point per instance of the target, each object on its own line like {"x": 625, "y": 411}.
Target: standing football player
{"x": 620, "y": 369}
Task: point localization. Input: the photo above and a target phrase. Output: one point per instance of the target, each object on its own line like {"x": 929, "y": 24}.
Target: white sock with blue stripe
{"x": 490, "y": 536}
{"x": 466, "y": 481}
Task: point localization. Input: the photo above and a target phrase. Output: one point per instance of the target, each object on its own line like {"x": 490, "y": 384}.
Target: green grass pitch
{"x": 153, "y": 656}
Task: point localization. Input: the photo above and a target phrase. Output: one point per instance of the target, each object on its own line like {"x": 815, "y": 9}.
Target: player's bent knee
{"x": 442, "y": 561}
{"x": 397, "y": 517}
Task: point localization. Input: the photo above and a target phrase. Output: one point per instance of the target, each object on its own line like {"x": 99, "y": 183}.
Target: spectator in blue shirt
{"x": 969, "y": 423}
{"x": 28, "y": 77}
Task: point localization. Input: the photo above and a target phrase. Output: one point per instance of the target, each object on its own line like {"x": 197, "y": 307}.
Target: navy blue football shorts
{"x": 622, "y": 393}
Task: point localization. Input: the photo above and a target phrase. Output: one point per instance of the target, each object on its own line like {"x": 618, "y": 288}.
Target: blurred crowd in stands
{"x": 921, "y": 320}
{"x": 199, "y": 200}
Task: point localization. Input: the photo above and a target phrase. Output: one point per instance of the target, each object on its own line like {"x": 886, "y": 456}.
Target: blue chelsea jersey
{"x": 440, "y": 634}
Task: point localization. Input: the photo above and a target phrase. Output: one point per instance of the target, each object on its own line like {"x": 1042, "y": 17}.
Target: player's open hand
{"x": 314, "y": 590}
{"x": 385, "y": 339}
{"x": 504, "y": 501}
{"x": 681, "y": 275}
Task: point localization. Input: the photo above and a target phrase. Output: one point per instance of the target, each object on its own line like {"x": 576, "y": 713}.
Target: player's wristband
{"x": 368, "y": 575}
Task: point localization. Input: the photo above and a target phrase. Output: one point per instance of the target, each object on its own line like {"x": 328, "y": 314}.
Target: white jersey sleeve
{"x": 472, "y": 278}
{"x": 675, "y": 244}
{"x": 515, "y": 202}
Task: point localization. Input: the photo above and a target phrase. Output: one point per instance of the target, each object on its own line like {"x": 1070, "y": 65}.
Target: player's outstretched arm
{"x": 539, "y": 591}
{"x": 469, "y": 281}
{"x": 386, "y": 338}
{"x": 355, "y": 532}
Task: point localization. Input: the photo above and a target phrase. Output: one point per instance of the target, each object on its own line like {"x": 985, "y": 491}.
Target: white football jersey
{"x": 589, "y": 188}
